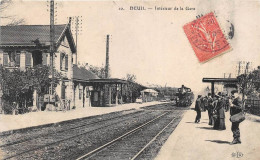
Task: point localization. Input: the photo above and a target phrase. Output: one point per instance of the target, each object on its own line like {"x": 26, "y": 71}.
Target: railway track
{"x": 129, "y": 145}
{"x": 97, "y": 138}
{"x": 66, "y": 129}
{"x": 31, "y": 145}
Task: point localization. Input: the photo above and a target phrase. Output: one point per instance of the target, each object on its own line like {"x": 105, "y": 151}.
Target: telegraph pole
{"x": 107, "y": 58}
{"x": 76, "y": 28}
{"x": 52, "y": 44}
{"x": 1, "y": 89}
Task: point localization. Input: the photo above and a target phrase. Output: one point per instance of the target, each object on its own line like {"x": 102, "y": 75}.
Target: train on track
{"x": 184, "y": 97}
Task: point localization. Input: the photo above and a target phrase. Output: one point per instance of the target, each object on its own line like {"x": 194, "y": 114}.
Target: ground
{"x": 192, "y": 141}
{"x": 188, "y": 141}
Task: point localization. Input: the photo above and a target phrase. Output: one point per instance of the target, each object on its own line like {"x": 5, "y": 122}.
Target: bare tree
{"x": 99, "y": 71}
{"x": 130, "y": 77}
{"x": 11, "y": 19}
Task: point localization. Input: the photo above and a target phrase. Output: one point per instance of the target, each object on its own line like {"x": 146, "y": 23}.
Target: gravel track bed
{"x": 129, "y": 146}
{"x": 153, "y": 149}
{"x": 63, "y": 136}
{"x": 29, "y": 134}
{"x": 167, "y": 106}
{"x": 81, "y": 141}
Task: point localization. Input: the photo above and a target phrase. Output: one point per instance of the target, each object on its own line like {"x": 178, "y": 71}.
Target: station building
{"x": 25, "y": 46}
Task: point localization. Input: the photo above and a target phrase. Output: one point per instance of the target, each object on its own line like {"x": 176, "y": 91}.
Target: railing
{"x": 64, "y": 104}
{"x": 253, "y": 106}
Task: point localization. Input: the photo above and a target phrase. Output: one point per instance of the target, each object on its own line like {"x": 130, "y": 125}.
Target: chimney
{"x": 107, "y": 58}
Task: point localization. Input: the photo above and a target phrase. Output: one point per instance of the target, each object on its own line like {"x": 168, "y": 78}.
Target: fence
{"x": 253, "y": 106}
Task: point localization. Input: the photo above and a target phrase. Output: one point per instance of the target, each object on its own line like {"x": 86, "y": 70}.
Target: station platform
{"x": 198, "y": 141}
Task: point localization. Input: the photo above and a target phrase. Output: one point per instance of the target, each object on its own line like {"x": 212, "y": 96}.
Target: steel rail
{"x": 120, "y": 137}
{"x": 59, "y": 141}
{"x": 64, "y": 130}
{"x": 151, "y": 141}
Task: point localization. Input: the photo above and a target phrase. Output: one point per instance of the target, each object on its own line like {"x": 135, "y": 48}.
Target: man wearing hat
{"x": 198, "y": 109}
{"x": 220, "y": 121}
{"x": 236, "y": 107}
{"x": 210, "y": 109}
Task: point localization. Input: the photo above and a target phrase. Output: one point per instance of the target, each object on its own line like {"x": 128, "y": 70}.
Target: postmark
{"x": 206, "y": 37}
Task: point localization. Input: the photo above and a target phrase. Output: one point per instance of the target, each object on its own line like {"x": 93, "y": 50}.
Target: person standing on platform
{"x": 222, "y": 104}
{"x": 206, "y": 104}
{"x": 214, "y": 105}
{"x": 210, "y": 109}
{"x": 227, "y": 106}
{"x": 202, "y": 105}
{"x": 198, "y": 109}
{"x": 220, "y": 111}
{"x": 236, "y": 107}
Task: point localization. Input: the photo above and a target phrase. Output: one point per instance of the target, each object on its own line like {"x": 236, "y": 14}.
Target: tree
{"x": 130, "y": 77}
{"x": 133, "y": 88}
{"x": 248, "y": 83}
{"x": 15, "y": 89}
{"x": 256, "y": 78}
{"x": 18, "y": 86}
{"x": 99, "y": 71}
{"x": 11, "y": 19}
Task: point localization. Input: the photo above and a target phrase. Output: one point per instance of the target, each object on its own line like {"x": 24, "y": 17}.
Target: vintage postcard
{"x": 129, "y": 79}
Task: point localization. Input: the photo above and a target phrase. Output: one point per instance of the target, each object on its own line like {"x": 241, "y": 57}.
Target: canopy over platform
{"x": 219, "y": 80}
{"x": 102, "y": 91}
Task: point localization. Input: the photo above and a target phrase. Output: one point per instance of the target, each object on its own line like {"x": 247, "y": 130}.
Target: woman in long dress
{"x": 220, "y": 109}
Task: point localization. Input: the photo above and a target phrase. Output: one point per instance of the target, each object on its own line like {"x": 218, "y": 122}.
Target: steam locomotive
{"x": 184, "y": 97}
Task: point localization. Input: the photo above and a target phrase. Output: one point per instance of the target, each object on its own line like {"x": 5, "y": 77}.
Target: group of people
{"x": 216, "y": 106}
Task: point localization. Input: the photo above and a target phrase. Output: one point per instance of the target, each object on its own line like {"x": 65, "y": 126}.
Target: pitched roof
{"x": 82, "y": 74}
{"x": 26, "y": 34}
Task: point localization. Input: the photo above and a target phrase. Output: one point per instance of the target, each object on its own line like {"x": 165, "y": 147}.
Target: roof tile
{"x": 26, "y": 34}
{"x": 80, "y": 73}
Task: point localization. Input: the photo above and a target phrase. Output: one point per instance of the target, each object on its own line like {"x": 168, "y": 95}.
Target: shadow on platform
{"x": 218, "y": 141}
{"x": 208, "y": 128}
{"x": 257, "y": 120}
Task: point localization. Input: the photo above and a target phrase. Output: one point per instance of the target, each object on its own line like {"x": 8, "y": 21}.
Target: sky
{"x": 152, "y": 44}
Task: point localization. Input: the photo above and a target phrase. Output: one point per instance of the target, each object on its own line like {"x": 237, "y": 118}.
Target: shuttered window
{"x": 66, "y": 62}
{"x": 61, "y": 58}
{"x": 28, "y": 59}
{"x": 44, "y": 58}
{"x": 17, "y": 59}
{"x": 6, "y": 57}
{"x": 63, "y": 90}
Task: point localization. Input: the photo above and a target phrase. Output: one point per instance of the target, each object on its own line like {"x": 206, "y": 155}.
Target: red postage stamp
{"x": 206, "y": 37}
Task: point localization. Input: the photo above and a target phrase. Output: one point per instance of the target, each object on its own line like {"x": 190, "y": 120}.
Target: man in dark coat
{"x": 221, "y": 112}
{"x": 210, "y": 109}
{"x": 198, "y": 109}
{"x": 220, "y": 122}
{"x": 235, "y": 108}
{"x": 202, "y": 105}
{"x": 227, "y": 103}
